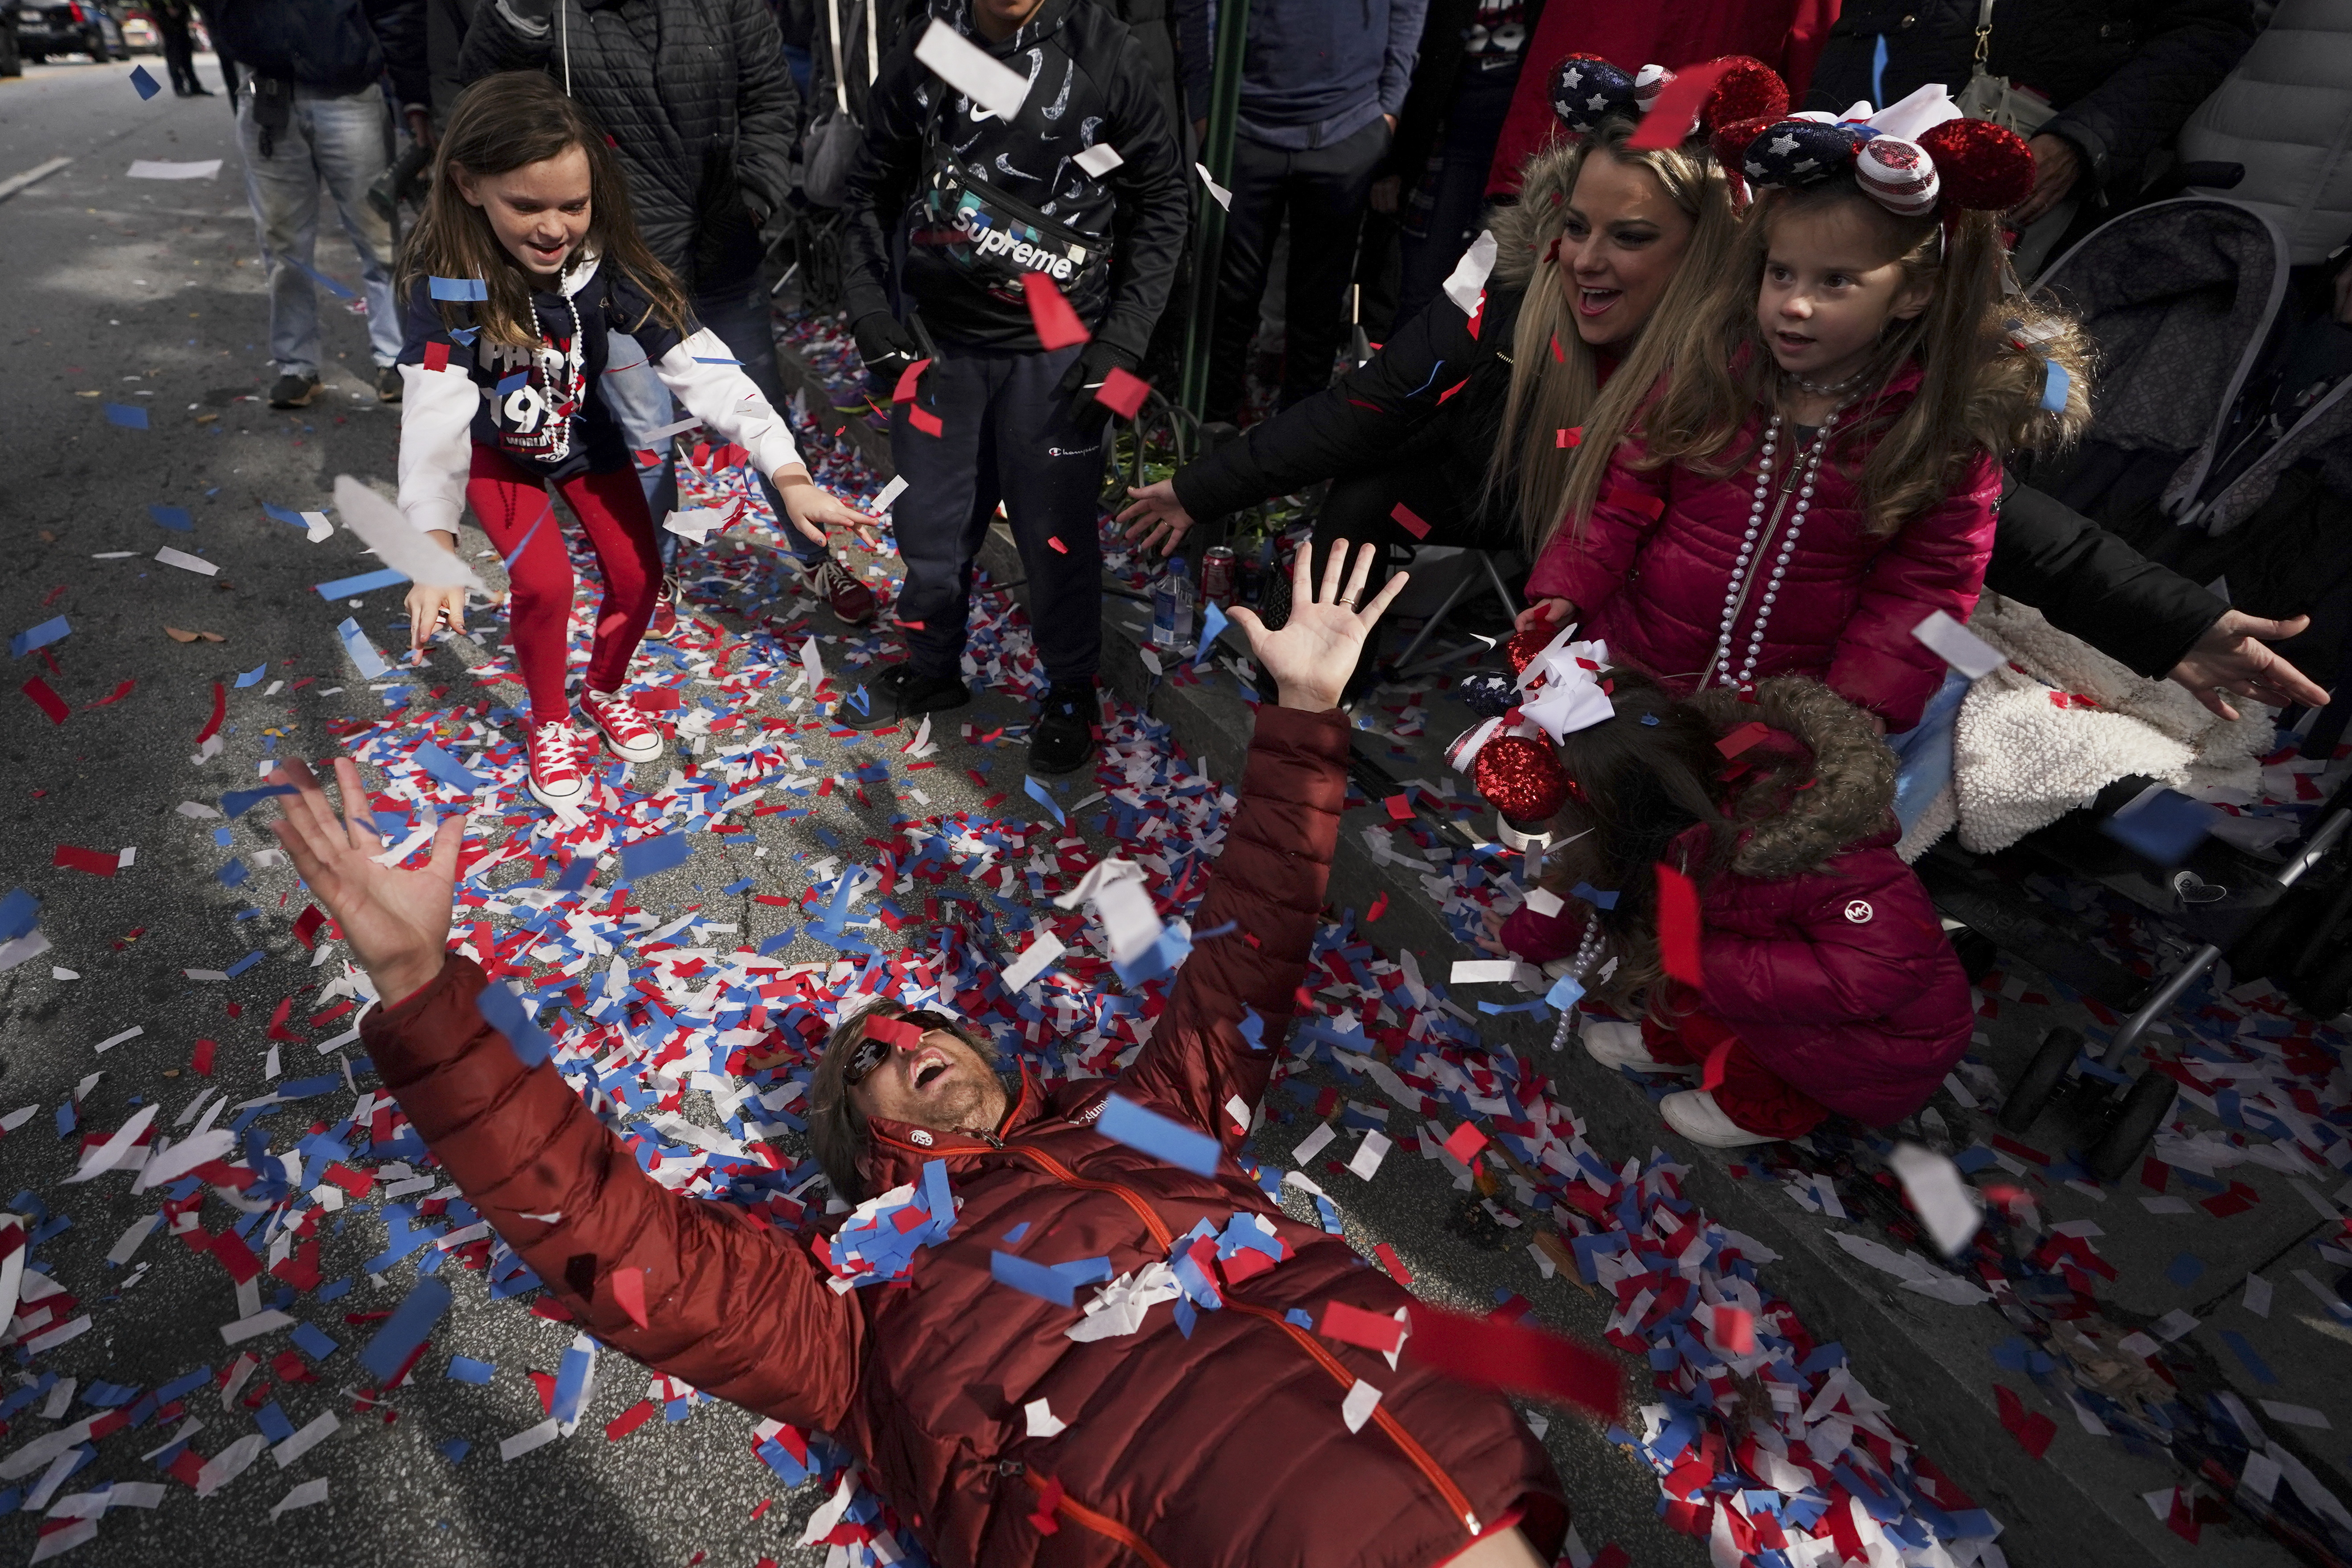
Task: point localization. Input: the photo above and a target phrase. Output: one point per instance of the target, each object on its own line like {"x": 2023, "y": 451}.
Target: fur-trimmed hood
{"x": 1822, "y": 782}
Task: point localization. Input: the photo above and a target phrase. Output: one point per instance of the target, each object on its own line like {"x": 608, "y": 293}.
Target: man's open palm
{"x": 1312, "y": 656}
{"x": 397, "y": 921}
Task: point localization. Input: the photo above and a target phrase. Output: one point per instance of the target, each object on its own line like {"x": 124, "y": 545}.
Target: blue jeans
{"x": 1926, "y": 750}
{"x": 342, "y": 139}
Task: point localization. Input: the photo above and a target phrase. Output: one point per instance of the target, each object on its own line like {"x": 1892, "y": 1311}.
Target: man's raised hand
{"x": 397, "y": 921}
{"x": 1312, "y": 656}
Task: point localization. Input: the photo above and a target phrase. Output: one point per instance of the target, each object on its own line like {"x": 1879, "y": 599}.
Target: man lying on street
{"x": 1225, "y": 1447}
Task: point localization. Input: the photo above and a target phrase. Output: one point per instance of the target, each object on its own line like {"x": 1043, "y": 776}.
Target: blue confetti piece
{"x": 271, "y": 1420}
{"x": 2166, "y": 826}
{"x": 365, "y": 583}
{"x": 1044, "y": 797}
{"x": 363, "y": 653}
{"x": 1303, "y": 1320}
{"x": 465, "y": 1369}
{"x": 339, "y": 290}
{"x": 1565, "y": 993}
{"x": 2245, "y": 1352}
{"x": 1651, "y": 720}
{"x": 454, "y": 1449}
{"x": 1253, "y": 1028}
{"x": 234, "y": 874}
{"x": 576, "y": 874}
{"x": 424, "y": 1306}
{"x": 242, "y": 964}
{"x": 1593, "y": 896}
{"x": 42, "y": 635}
{"x": 647, "y": 855}
{"x": 130, "y": 416}
{"x": 253, "y": 677}
{"x": 1013, "y": 1235}
{"x": 1085, "y": 1270}
{"x": 1148, "y": 1131}
{"x": 466, "y": 335}
{"x": 504, "y": 1011}
{"x": 1213, "y": 625}
{"x": 19, "y": 913}
{"x": 2185, "y": 1269}
{"x": 175, "y": 518}
{"x": 312, "y": 1341}
{"x": 859, "y": 700}
{"x": 453, "y": 773}
{"x": 1031, "y": 1279}
{"x": 286, "y": 515}
{"x": 733, "y": 888}
{"x": 777, "y": 943}
{"x": 458, "y": 289}
{"x": 716, "y": 359}
{"x": 571, "y": 1385}
{"x": 511, "y": 385}
{"x": 144, "y": 80}
{"x": 2054, "y": 385}
{"x": 236, "y": 802}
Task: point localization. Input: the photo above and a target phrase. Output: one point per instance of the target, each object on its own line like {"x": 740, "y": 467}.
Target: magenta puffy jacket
{"x": 1650, "y": 569}
{"x": 1820, "y": 948}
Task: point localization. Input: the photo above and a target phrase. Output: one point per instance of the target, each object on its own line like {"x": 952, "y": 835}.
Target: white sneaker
{"x": 1616, "y": 1043}
{"x": 1695, "y": 1114}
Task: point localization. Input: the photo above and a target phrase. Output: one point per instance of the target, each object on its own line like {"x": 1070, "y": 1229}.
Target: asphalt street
{"x": 146, "y": 295}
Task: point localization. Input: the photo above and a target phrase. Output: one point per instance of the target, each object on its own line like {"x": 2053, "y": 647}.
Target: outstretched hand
{"x": 1312, "y": 656}
{"x": 397, "y": 921}
{"x": 812, "y": 510}
{"x": 2234, "y": 659}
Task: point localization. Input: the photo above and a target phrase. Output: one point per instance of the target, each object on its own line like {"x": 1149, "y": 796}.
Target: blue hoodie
{"x": 1316, "y": 71}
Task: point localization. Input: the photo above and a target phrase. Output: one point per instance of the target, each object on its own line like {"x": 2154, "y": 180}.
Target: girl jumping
{"x": 525, "y": 258}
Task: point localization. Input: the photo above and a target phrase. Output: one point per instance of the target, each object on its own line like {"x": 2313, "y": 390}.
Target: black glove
{"x": 885, "y": 346}
{"x": 1090, "y": 369}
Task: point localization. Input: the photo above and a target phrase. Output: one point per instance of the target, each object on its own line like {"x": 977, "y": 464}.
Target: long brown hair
{"x": 1637, "y": 786}
{"x": 1980, "y": 390}
{"x": 1555, "y": 382}
{"x": 500, "y": 124}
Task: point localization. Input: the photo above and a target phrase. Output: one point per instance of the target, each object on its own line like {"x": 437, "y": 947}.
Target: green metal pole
{"x": 1209, "y": 235}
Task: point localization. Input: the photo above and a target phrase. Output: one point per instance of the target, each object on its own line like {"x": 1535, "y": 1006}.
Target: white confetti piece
{"x": 1100, "y": 159}
{"x": 165, "y": 169}
{"x": 1944, "y": 1201}
{"x": 309, "y": 1494}
{"x": 1956, "y": 646}
{"x": 185, "y": 561}
{"x": 1217, "y": 193}
{"x": 1043, "y": 1422}
{"x": 528, "y": 1438}
{"x": 968, "y": 68}
{"x": 1357, "y": 1408}
{"x": 1033, "y": 961}
{"x": 1467, "y": 283}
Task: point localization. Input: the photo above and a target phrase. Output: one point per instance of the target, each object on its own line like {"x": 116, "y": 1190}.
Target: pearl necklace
{"x": 1740, "y": 568}
{"x": 1587, "y": 950}
{"x": 1835, "y": 388}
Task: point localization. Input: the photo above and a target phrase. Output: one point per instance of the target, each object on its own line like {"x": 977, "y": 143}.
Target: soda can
{"x": 1217, "y": 574}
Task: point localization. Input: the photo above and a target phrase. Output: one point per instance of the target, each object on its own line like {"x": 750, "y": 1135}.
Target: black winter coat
{"x": 699, "y": 103}
{"x": 2123, "y": 74}
{"x": 333, "y": 46}
{"x": 1090, "y": 85}
{"x": 2087, "y": 582}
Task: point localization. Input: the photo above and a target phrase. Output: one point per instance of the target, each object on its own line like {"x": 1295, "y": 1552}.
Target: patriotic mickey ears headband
{"x": 1908, "y": 157}
{"x": 1586, "y": 91}
{"x": 1510, "y": 759}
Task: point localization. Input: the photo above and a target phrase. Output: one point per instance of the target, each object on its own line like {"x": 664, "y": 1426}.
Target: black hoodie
{"x": 1090, "y": 85}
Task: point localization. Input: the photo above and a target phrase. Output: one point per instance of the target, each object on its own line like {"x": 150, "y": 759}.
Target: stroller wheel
{"x": 2146, "y": 1106}
{"x": 2041, "y": 1078}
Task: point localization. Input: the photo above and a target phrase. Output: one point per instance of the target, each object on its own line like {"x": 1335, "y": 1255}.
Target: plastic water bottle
{"x": 1171, "y": 608}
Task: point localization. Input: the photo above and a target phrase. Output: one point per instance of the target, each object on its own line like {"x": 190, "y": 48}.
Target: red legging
{"x": 1752, "y": 1094}
{"x": 515, "y": 510}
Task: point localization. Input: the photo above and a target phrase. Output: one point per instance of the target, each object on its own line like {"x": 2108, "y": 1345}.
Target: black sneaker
{"x": 292, "y": 391}
{"x": 899, "y": 694}
{"x": 387, "y": 383}
{"x": 1063, "y": 738}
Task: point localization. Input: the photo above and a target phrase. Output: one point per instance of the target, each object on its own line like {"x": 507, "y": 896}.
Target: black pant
{"x": 179, "y": 51}
{"x": 1322, "y": 191}
{"x": 1005, "y": 434}
{"x": 1457, "y": 188}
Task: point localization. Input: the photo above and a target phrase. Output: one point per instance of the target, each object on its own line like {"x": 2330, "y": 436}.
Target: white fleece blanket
{"x": 2043, "y": 734}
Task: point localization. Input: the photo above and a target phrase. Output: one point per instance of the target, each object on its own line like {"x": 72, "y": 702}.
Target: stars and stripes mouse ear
{"x": 1748, "y": 90}
{"x": 1521, "y": 777}
{"x": 1586, "y": 91}
{"x": 1800, "y": 153}
{"x": 1982, "y": 166}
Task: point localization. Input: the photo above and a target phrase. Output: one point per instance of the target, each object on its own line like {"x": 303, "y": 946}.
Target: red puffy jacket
{"x": 1821, "y": 949}
{"x": 1654, "y": 560}
{"x": 1223, "y": 1448}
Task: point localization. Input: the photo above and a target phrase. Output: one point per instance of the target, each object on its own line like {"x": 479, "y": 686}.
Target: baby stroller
{"x": 2216, "y": 416}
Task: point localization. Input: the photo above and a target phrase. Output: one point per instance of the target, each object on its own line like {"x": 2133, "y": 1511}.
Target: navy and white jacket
{"x": 546, "y": 407}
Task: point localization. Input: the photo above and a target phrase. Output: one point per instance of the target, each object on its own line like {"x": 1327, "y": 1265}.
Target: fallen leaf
{"x": 176, "y": 634}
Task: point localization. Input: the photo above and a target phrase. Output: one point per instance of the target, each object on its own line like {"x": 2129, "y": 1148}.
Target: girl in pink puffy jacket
{"x": 1826, "y": 983}
{"x": 1818, "y": 471}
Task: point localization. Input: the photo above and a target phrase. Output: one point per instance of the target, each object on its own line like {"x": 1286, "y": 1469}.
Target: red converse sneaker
{"x": 555, "y": 775}
{"x": 624, "y": 728}
{"x": 664, "y": 619}
{"x": 850, "y": 599}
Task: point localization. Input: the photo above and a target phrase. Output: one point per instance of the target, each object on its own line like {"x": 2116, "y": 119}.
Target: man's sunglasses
{"x": 884, "y": 1034}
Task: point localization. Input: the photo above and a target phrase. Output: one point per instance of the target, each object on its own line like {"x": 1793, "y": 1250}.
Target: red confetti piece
{"x": 2031, "y": 1429}
{"x": 200, "y": 1061}
{"x": 1391, "y": 1261}
{"x": 96, "y": 862}
{"x": 1412, "y": 524}
{"x": 1379, "y": 906}
{"x": 307, "y": 924}
{"x": 629, "y": 1294}
{"x": 1718, "y": 1056}
{"x": 1123, "y": 392}
{"x": 1571, "y": 436}
{"x": 1355, "y": 1326}
{"x": 1400, "y": 806}
{"x": 277, "y": 1030}
{"x": 1057, "y": 325}
{"x": 1678, "y": 104}
{"x": 1464, "y": 1141}
{"x": 1611, "y": 1556}
{"x": 1735, "y": 1329}
{"x": 907, "y": 625}
{"x": 1740, "y": 740}
{"x": 1059, "y": 547}
{"x": 1678, "y": 942}
{"x": 1518, "y": 1358}
{"x": 926, "y": 421}
{"x": 220, "y": 711}
{"x": 119, "y": 693}
{"x": 49, "y": 701}
{"x": 437, "y": 356}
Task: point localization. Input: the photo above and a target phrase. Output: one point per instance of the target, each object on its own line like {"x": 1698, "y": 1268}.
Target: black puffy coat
{"x": 699, "y": 103}
{"x": 336, "y": 46}
{"x": 2124, "y": 75}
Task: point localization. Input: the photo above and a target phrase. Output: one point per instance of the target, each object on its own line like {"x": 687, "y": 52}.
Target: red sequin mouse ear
{"x": 1522, "y": 778}
{"x": 1730, "y": 142}
{"x": 1982, "y": 166}
{"x": 1748, "y": 90}
{"x": 1523, "y": 646}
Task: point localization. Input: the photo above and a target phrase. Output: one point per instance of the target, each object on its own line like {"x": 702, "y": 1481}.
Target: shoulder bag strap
{"x": 840, "y": 81}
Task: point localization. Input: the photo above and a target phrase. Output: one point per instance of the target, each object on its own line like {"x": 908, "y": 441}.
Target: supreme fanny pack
{"x": 997, "y": 239}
